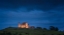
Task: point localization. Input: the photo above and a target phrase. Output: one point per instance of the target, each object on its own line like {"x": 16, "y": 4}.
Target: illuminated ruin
{"x": 23, "y": 25}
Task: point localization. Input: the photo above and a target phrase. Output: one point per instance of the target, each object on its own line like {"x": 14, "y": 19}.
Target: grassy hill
{"x": 18, "y": 31}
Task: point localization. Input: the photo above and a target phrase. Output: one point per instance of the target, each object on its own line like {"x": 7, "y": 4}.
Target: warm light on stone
{"x": 23, "y": 25}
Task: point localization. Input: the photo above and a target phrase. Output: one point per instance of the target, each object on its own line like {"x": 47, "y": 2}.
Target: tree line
{"x": 51, "y": 28}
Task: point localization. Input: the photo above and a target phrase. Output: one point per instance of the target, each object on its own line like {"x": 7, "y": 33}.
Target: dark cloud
{"x": 31, "y": 4}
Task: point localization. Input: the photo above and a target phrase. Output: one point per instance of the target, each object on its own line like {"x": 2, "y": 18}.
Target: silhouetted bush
{"x": 39, "y": 28}
{"x": 44, "y": 29}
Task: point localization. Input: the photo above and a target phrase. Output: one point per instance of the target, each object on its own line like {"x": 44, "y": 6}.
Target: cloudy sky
{"x": 43, "y": 13}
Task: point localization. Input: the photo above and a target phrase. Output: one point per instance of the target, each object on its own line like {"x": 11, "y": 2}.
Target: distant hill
{"x": 19, "y": 31}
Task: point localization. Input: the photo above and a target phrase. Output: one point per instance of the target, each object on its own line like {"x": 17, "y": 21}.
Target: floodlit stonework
{"x": 23, "y": 25}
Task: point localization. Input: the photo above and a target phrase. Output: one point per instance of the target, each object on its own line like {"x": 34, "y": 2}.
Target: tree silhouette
{"x": 54, "y": 28}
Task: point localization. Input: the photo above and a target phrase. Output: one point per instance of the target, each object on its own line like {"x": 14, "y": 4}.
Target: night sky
{"x": 43, "y": 13}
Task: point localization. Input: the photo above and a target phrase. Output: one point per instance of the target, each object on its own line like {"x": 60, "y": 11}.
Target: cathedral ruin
{"x": 23, "y": 25}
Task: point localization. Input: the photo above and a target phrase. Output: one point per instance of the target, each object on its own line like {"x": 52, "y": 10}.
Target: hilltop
{"x": 24, "y": 31}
